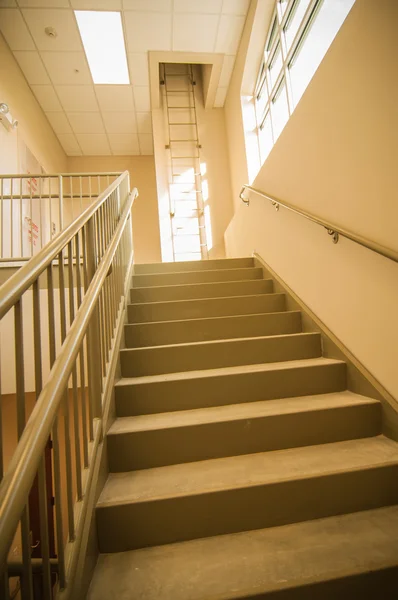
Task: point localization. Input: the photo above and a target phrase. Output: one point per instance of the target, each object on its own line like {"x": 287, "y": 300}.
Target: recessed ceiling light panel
{"x": 103, "y": 41}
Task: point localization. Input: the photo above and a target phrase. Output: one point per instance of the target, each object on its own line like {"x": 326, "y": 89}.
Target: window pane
{"x": 265, "y": 137}
{"x": 271, "y": 36}
{"x": 275, "y": 67}
{"x": 279, "y": 111}
{"x": 282, "y": 6}
{"x": 316, "y": 43}
{"x": 294, "y": 20}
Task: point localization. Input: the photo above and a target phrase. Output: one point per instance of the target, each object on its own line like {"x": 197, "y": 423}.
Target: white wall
{"x": 335, "y": 158}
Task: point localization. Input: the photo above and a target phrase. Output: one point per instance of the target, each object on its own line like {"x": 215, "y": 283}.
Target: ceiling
{"x": 113, "y": 119}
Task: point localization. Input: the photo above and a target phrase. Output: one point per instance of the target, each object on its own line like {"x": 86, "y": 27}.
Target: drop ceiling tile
{"x": 221, "y": 94}
{"x": 59, "y": 122}
{"x": 124, "y": 144}
{"x": 120, "y": 122}
{"x": 229, "y": 34}
{"x": 115, "y": 97}
{"x": 69, "y": 144}
{"x": 63, "y": 21}
{"x": 144, "y": 122}
{"x": 43, "y": 3}
{"x": 67, "y": 68}
{"x": 7, "y": 3}
{"x": 194, "y": 6}
{"x": 195, "y": 33}
{"x": 13, "y": 27}
{"x": 139, "y": 68}
{"x": 235, "y": 7}
{"x": 146, "y": 143}
{"x": 32, "y": 67}
{"x": 147, "y": 31}
{"x": 142, "y": 98}
{"x": 83, "y": 122}
{"x": 77, "y": 98}
{"x": 151, "y": 5}
{"x": 93, "y": 144}
{"x": 226, "y": 72}
{"x": 96, "y": 4}
{"x": 46, "y": 97}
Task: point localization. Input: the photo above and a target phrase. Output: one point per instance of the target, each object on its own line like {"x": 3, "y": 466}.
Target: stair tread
{"x": 220, "y": 299}
{"x": 201, "y": 283}
{"x": 242, "y": 565}
{"x": 195, "y": 271}
{"x": 263, "y": 468}
{"x": 303, "y": 335}
{"x": 232, "y": 412}
{"x": 225, "y": 371}
{"x": 218, "y": 318}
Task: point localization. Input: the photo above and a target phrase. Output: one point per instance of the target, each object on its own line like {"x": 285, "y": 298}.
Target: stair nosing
{"x": 198, "y": 271}
{"x": 303, "y": 334}
{"x": 183, "y": 285}
{"x": 350, "y": 400}
{"x": 202, "y": 299}
{"x": 262, "y": 314}
{"x": 275, "y": 480}
{"x": 225, "y": 371}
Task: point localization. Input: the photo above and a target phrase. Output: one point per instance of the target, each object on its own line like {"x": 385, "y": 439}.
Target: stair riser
{"x": 158, "y": 448}
{"x": 198, "y": 330}
{"x": 195, "y": 265}
{"x": 197, "y": 277}
{"x": 163, "y": 396}
{"x": 205, "y": 290}
{"x": 175, "y": 359}
{"x": 196, "y": 309}
{"x": 125, "y": 527}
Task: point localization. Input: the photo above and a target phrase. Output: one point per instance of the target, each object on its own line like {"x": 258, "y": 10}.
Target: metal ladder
{"x": 187, "y": 211}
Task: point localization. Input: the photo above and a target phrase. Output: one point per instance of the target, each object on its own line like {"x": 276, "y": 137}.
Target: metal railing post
{"x": 94, "y": 340}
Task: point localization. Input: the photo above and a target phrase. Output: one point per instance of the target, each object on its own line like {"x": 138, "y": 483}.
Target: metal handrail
{"x": 19, "y": 477}
{"x": 333, "y": 230}
{"x": 18, "y": 283}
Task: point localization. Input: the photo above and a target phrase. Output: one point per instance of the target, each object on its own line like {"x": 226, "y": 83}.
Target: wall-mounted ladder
{"x": 185, "y": 168}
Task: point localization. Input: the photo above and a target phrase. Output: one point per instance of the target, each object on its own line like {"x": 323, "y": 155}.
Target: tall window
{"x": 300, "y": 34}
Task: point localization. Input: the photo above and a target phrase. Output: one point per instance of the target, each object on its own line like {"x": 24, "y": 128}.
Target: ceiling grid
{"x": 92, "y": 119}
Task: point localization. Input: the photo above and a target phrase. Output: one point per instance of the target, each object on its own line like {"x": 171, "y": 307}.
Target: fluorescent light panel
{"x": 103, "y": 41}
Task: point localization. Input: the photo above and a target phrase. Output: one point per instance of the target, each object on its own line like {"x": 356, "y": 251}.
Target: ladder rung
{"x": 190, "y": 123}
{"x": 180, "y": 107}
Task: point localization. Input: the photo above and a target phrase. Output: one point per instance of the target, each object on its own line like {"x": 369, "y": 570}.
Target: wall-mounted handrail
{"x": 18, "y": 283}
{"x": 333, "y": 230}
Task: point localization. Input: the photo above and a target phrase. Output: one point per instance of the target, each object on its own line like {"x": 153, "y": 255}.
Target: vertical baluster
{"x": 41, "y": 211}
{"x": 111, "y": 276}
{"x": 12, "y": 216}
{"x": 97, "y": 225}
{"x": 71, "y": 199}
{"x": 4, "y": 586}
{"x": 68, "y": 457}
{"x": 55, "y": 435}
{"x": 20, "y": 219}
{"x": 61, "y": 203}
{"x": 74, "y": 379}
{"x": 85, "y": 280}
{"x": 31, "y": 216}
{"x": 42, "y": 481}
{"x": 104, "y": 291}
{"x": 81, "y": 194}
{"x": 50, "y": 209}
{"x": 94, "y": 358}
{"x": 27, "y": 582}
{"x": 81, "y": 357}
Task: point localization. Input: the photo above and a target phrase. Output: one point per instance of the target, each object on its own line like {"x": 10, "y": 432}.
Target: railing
{"x": 61, "y": 315}
{"x": 35, "y": 208}
{"x": 333, "y": 230}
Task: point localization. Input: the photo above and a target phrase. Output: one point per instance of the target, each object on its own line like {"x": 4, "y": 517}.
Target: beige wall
{"x": 34, "y": 129}
{"x": 336, "y": 158}
{"x": 145, "y": 209}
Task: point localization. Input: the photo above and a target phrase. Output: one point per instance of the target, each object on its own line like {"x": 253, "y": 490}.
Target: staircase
{"x": 240, "y": 465}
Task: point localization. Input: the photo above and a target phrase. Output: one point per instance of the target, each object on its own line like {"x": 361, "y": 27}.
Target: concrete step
{"x": 201, "y": 290}
{"x": 176, "y": 358}
{"x": 147, "y": 441}
{"x": 194, "y": 265}
{"x": 214, "y": 328}
{"x": 230, "y": 385}
{"x": 187, "y": 277}
{"x": 227, "y": 495}
{"x": 353, "y": 556}
{"x": 207, "y": 307}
